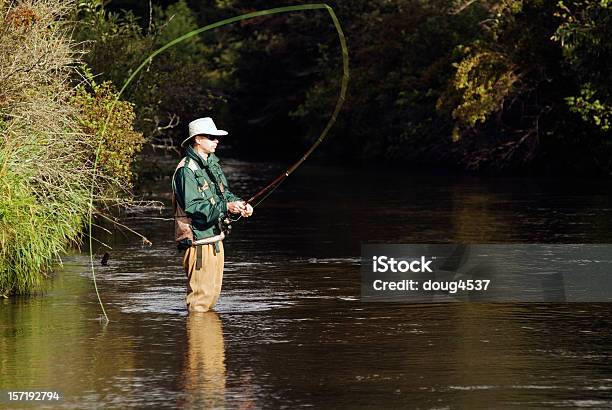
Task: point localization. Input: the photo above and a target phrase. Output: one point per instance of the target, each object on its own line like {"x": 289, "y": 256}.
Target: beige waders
{"x": 203, "y": 265}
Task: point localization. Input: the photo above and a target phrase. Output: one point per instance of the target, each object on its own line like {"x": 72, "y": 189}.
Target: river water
{"x": 290, "y": 329}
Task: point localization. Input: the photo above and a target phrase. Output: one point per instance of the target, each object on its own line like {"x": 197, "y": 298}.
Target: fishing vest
{"x": 182, "y": 222}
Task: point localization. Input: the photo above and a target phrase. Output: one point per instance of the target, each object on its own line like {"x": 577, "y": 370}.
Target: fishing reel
{"x": 225, "y": 224}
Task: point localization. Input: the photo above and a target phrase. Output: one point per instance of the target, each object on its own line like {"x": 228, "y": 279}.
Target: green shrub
{"x": 119, "y": 142}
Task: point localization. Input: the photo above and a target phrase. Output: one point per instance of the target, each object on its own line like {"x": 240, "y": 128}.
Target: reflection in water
{"x": 205, "y": 374}
{"x": 477, "y": 206}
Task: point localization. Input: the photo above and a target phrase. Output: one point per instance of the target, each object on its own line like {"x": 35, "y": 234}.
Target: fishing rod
{"x": 260, "y": 196}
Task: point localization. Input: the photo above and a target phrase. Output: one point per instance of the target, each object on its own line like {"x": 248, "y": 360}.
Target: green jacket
{"x": 201, "y": 190}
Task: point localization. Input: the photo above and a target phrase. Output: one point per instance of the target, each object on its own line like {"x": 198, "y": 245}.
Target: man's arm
{"x": 195, "y": 206}
{"x": 229, "y": 195}
{"x": 236, "y": 204}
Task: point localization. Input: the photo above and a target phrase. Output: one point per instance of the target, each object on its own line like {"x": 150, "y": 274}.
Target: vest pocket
{"x": 207, "y": 194}
{"x": 203, "y": 185}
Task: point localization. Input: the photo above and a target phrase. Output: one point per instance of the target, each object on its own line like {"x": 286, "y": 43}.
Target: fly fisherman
{"x": 202, "y": 201}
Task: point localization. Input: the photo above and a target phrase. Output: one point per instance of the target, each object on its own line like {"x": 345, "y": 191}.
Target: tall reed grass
{"x": 45, "y": 156}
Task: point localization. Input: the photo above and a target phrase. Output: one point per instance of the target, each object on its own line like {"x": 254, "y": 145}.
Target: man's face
{"x": 207, "y": 143}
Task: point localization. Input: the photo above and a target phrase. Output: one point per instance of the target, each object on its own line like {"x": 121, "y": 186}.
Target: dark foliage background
{"x": 490, "y": 86}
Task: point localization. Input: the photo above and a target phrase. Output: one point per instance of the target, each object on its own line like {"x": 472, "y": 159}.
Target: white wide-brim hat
{"x": 204, "y": 126}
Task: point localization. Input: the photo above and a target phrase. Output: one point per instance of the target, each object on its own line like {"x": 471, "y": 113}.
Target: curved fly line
{"x": 261, "y": 195}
